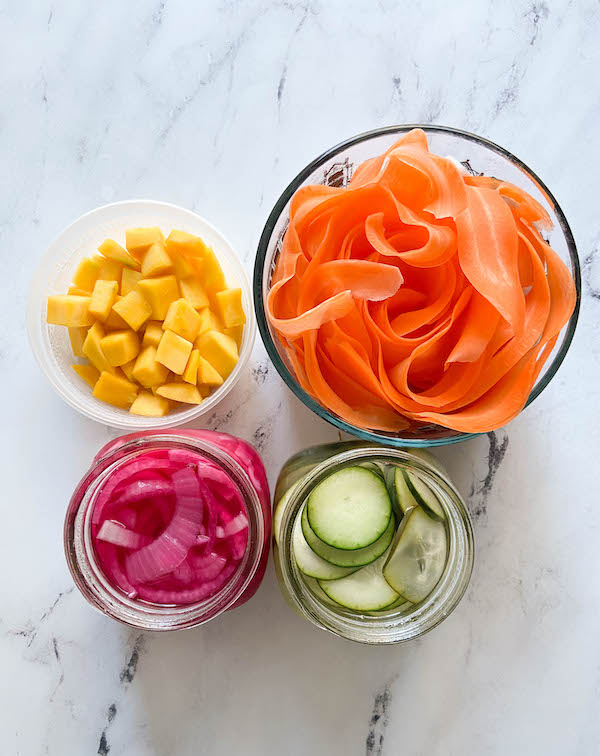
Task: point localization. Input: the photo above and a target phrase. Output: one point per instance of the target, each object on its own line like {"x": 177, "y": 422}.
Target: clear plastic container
{"x": 302, "y": 473}
{"x": 50, "y": 343}
{"x": 244, "y": 468}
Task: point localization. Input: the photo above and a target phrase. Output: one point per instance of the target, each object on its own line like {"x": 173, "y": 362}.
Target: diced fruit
{"x": 77, "y": 337}
{"x": 113, "y": 251}
{"x": 180, "y": 392}
{"x": 236, "y": 333}
{"x": 93, "y": 350}
{"x": 204, "y": 390}
{"x": 181, "y": 243}
{"x": 206, "y": 372}
{"x": 182, "y": 319}
{"x": 174, "y": 352}
{"x": 147, "y": 370}
{"x": 69, "y": 310}
{"x": 110, "y": 270}
{"x": 213, "y": 277}
{"x": 152, "y": 334}
{"x": 115, "y": 390}
{"x": 160, "y": 293}
{"x": 127, "y": 368}
{"x": 229, "y": 307}
{"x": 208, "y": 322}
{"x": 186, "y": 267}
{"x": 77, "y": 291}
{"x": 220, "y": 350}
{"x": 193, "y": 291}
{"x": 149, "y": 405}
{"x": 133, "y": 309}
{"x": 156, "y": 261}
{"x": 86, "y": 274}
{"x": 114, "y": 322}
{"x": 129, "y": 280}
{"x": 103, "y": 298}
{"x": 190, "y": 374}
{"x": 120, "y": 347}
{"x": 88, "y": 372}
{"x": 139, "y": 240}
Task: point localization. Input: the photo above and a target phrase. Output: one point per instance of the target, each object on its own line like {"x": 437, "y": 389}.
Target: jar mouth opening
{"x": 393, "y": 626}
{"x": 88, "y": 574}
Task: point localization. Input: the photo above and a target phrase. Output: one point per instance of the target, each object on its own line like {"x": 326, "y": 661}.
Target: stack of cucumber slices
{"x": 370, "y": 539}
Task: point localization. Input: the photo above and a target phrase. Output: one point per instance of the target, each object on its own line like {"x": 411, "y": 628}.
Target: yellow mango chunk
{"x": 93, "y": 351}
{"x": 180, "y": 243}
{"x": 207, "y": 374}
{"x": 159, "y": 293}
{"x": 147, "y": 370}
{"x": 133, "y": 309}
{"x": 152, "y": 334}
{"x": 113, "y": 251}
{"x": 127, "y": 368}
{"x": 182, "y": 319}
{"x": 120, "y": 347}
{"x": 139, "y": 240}
{"x": 149, "y": 405}
{"x": 212, "y": 275}
{"x": 208, "y": 322}
{"x": 229, "y": 307}
{"x": 88, "y": 372}
{"x": 190, "y": 374}
{"x": 86, "y": 274}
{"x": 77, "y": 337}
{"x": 77, "y": 291}
{"x": 156, "y": 261}
{"x": 236, "y": 334}
{"x": 114, "y": 322}
{"x": 180, "y": 392}
{"x": 115, "y": 390}
{"x": 204, "y": 390}
{"x": 129, "y": 280}
{"x": 103, "y": 298}
{"x": 69, "y": 310}
{"x": 220, "y": 350}
{"x": 185, "y": 267}
{"x": 109, "y": 270}
{"x": 174, "y": 352}
{"x": 193, "y": 291}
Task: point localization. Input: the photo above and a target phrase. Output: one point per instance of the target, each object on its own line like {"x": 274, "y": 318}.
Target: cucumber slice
{"x": 350, "y": 509}
{"x": 310, "y": 563}
{"x": 280, "y": 509}
{"x": 400, "y": 604}
{"x": 319, "y": 593}
{"x": 424, "y": 496}
{"x": 344, "y": 558}
{"x": 418, "y": 557}
{"x": 404, "y": 496}
{"x": 364, "y": 591}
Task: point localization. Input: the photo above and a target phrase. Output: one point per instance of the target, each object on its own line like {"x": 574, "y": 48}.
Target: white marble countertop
{"x": 216, "y": 106}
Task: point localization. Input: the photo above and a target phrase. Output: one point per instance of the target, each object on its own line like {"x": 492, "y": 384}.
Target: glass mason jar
{"x": 301, "y": 474}
{"x": 244, "y": 468}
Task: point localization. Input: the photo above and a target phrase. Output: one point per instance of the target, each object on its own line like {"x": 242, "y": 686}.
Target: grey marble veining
{"x": 216, "y": 106}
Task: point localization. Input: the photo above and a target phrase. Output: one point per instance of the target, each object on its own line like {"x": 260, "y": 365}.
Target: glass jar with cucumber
{"x": 370, "y": 543}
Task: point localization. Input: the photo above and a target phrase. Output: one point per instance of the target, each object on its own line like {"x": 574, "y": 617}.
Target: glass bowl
{"x": 50, "y": 343}
{"x": 335, "y": 168}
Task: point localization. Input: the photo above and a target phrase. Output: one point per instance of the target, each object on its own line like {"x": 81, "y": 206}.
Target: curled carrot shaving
{"x": 418, "y": 294}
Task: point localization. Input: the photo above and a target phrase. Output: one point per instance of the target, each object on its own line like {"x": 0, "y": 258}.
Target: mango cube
{"x": 93, "y": 351}
{"x": 182, "y": 319}
{"x": 127, "y": 368}
{"x": 86, "y": 274}
{"x": 139, "y": 240}
{"x": 159, "y": 293}
{"x": 174, "y": 352}
{"x": 120, "y": 347}
{"x": 69, "y": 310}
{"x": 88, "y": 372}
{"x": 193, "y": 291}
{"x": 147, "y": 370}
{"x": 180, "y": 243}
{"x": 103, "y": 298}
{"x": 77, "y": 337}
{"x": 133, "y": 309}
{"x": 113, "y": 251}
{"x": 220, "y": 350}
{"x": 229, "y": 307}
{"x": 186, "y": 267}
{"x": 213, "y": 277}
{"x": 180, "y": 392}
{"x": 236, "y": 334}
{"x": 207, "y": 375}
{"x": 190, "y": 374}
{"x": 109, "y": 270}
{"x": 156, "y": 261}
{"x": 149, "y": 405}
{"x": 208, "y": 322}
{"x": 114, "y": 322}
{"x": 152, "y": 334}
{"x": 115, "y": 390}
{"x": 78, "y": 292}
{"x": 129, "y": 280}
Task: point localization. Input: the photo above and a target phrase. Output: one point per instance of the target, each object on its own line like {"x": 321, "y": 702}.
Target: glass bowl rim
{"x": 259, "y": 305}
